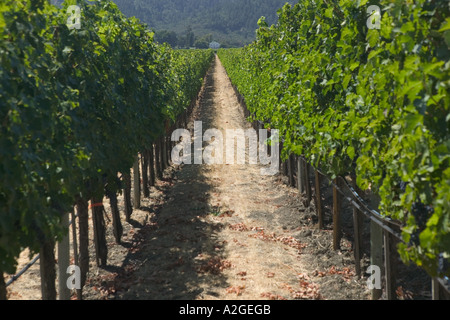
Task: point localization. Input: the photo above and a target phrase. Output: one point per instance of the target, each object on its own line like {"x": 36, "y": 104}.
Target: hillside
{"x": 187, "y": 23}
{"x": 230, "y": 22}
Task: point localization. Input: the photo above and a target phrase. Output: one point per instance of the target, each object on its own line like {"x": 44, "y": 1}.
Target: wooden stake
{"x": 285, "y": 168}
{"x": 318, "y": 199}
{"x": 136, "y": 185}
{"x": 337, "y": 234}
{"x": 127, "y": 195}
{"x": 435, "y": 289}
{"x": 151, "y": 166}
{"x": 98, "y": 221}
{"x": 164, "y": 158}
{"x": 75, "y": 248}
{"x": 290, "y": 171}
{"x": 144, "y": 166}
{"x": 2, "y": 287}
{"x": 83, "y": 227}
{"x": 168, "y": 150}
{"x": 300, "y": 175}
{"x": 389, "y": 261}
{"x": 117, "y": 223}
{"x": 307, "y": 185}
{"x": 293, "y": 162}
{"x": 357, "y": 232}
{"x": 47, "y": 270}
{"x": 357, "y": 243}
{"x": 63, "y": 261}
{"x": 376, "y": 245}
{"x": 158, "y": 159}
{"x": 161, "y": 155}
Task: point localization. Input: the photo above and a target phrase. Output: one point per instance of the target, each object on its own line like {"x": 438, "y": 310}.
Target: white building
{"x": 214, "y": 45}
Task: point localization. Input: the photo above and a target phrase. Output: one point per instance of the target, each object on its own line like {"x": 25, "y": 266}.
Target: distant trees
{"x": 189, "y": 38}
{"x": 232, "y": 22}
{"x": 186, "y": 40}
{"x": 166, "y": 36}
{"x": 203, "y": 42}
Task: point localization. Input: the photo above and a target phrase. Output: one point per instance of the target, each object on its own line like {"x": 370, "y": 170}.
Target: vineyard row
{"x": 77, "y": 106}
{"x": 363, "y": 102}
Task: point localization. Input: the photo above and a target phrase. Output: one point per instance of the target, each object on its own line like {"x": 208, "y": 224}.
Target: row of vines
{"x": 366, "y": 102}
{"x": 76, "y": 107}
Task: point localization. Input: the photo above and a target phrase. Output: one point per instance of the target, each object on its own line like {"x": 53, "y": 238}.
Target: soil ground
{"x": 220, "y": 232}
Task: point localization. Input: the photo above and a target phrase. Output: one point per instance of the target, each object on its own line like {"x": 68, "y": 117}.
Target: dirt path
{"x": 214, "y": 237}
{"x": 228, "y": 232}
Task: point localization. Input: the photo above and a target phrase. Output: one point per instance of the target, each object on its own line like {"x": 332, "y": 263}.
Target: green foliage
{"x": 169, "y": 37}
{"x": 76, "y": 107}
{"x": 370, "y": 102}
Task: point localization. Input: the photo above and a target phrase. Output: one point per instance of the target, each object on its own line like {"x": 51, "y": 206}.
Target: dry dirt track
{"x": 228, "y": 232}
{"x": 219, "y": 232}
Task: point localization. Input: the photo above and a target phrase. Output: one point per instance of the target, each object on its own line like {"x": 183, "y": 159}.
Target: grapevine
{"x": 369, "y": 102}
{"x": 76, "y": 106}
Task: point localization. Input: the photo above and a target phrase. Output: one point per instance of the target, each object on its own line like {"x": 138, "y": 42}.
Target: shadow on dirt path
{"x": 181, "y": 253}
{"x": 224, "y": 231}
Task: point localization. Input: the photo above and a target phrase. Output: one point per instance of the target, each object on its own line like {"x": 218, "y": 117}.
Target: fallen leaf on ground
{"x": 235, "y": 289}
{"x": 239, "y": 227}
{"x": 214, "y": 266}
{"x": 272, "y": 296}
